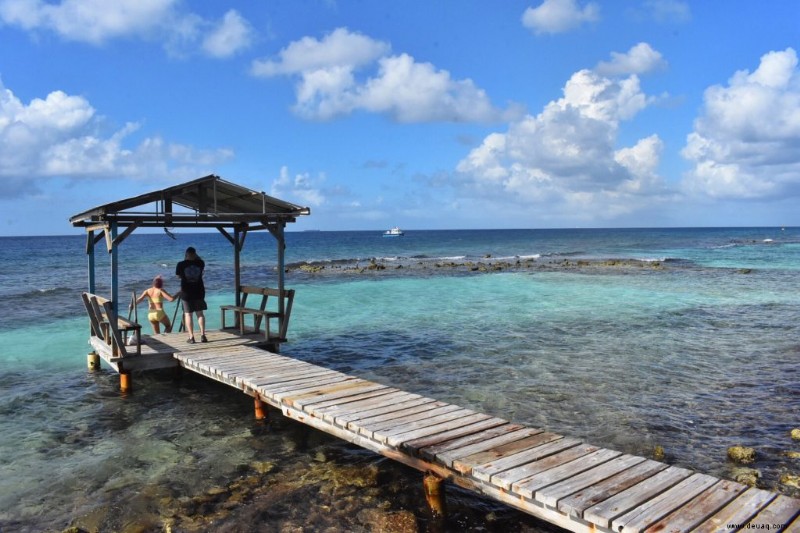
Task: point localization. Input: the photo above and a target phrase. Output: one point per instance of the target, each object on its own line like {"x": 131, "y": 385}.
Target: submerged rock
{"x": 741, "y": 454}
{"x": 792, "y": 455}
{"x": 795, "y": 434}
{"x": 791, "y": 480}
{"x": 380, "y": 521}
{"x": 746, "y": 476}
{"x": 658, "y": 453}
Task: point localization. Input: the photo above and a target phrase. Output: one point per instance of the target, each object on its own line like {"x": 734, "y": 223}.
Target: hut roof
{"x": 208, "y": 202}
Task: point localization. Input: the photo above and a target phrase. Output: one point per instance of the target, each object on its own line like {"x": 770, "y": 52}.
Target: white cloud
{"x": 92, "y": 21}
{"x": 557, "y": 16}
{"x": 668, "y": 10}
{"x": 408, "y": 91}
{"x": 339, "y": 49}
{"x": 302, "y": 187}
{"x": 746, "y": 142}
{"x": 233, "y": 34}
{"x": 640, "y": 59}
{"x": 58, "y": 137}
{"x": 98, "y": 21}
{"x": 563, "y": 162}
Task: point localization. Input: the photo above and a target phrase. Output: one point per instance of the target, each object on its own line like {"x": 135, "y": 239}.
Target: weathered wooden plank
{"x": 738, "y": 511}
{"x": 321, "y": 408}
{"x": 700, "y": 508}
{"x": 529, "y": 463}
{"x": 261, "y": 364}
{"x": 655, "y": 509}
{"x": 216, "y": 366}
{"x": 392, "y": 418}
{"x": 350, "y": 390}
{"x": 431, "y": 451}
{"x": 604, "y": 512}
{"x": 211, "y": 364}
{"x": 268, "y": 375}
{"x": 267, "y": 368}
{"x": 278, "y": 379}
{"x": 253, "y": 368}
{"x": 437, "y": 416}
{"x": 271, "y": 387}
{"x": 793, "y": 526}
{"x": 779, "y": 512}
{"x": 325, "y": 389}
{"x": 381, "y": 430}
{"x": 448, "y": 457}
{"x": 352, "y": 410}
{"x": 531, "y": 448}
{"x": 304, "y": 385}
{"x": 466, "y": 427}
{"x": 414, "y": 446}
{"x": 454, "y": 420}
{"x": 383, "y": 409}
{"x": 575, "y": 504}
{"x": 528, "y": 487}
{"x": 552, "y": 494}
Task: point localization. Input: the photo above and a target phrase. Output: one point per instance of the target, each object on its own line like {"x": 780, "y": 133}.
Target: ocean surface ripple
{"x": 688, "y": 339}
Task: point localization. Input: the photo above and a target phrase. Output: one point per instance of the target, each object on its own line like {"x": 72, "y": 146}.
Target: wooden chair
{"x": 110, "y": 328}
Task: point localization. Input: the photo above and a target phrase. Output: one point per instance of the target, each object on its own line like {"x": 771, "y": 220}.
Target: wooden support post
{"x": 261, "y": 409}
{"x": 114, "y": 251}
{"x": 125, "y": 382}
{"x": 434, "y": 494}
{"x": 93, "y": 361}
{"x": 90, "y": 255}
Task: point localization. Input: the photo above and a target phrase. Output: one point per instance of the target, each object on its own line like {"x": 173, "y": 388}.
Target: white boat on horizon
{"x": 394, "y": 232}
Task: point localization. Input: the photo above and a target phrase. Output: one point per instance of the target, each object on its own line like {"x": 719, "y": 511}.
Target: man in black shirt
{"x": 193, "y": 292}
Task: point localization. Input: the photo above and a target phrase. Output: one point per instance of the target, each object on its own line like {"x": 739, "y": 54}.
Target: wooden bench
{"x": 261, "y": 313}
{"x": 110, "y": 328}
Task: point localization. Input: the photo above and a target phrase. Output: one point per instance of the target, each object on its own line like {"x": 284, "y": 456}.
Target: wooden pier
{"x": 559, "y": 479}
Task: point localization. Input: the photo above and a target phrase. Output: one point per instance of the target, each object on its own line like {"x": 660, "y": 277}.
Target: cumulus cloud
{"x": 303, "y": 187}
{"x": 98, "y": 21}
{"x": 58, "y": 136}
{"x": 558, "y": 16}
{"x": 564, "y": 161}
{"x": 92, "y": 21}
{"x": 230, "y": 36}
{"x": 330, "y": 85}
{"x": 640, "y": 59}
{"x": 746, "y": 141}
{"x": 339, "y": 49}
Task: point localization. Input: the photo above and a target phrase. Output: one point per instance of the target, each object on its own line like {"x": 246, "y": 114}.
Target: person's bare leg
{"x": 187, "y": 318}
{"x": 201, "y": 321}
{"x": 155, "y": 327}
{"x": 167, "y": 324}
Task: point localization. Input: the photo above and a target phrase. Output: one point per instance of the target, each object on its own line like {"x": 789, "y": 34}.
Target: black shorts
{"x": 192, "y": 306}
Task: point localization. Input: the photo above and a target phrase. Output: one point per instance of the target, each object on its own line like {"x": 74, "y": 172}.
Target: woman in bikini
{"x": 156, "y": 296}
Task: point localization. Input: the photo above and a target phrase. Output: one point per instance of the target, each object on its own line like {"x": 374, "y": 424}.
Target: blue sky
{"x": 427, "y": 115}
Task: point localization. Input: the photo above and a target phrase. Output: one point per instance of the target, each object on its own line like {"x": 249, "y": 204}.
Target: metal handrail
{"x": 175, "y": 314}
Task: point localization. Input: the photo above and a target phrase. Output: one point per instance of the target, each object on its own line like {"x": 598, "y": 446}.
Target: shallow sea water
{"x": 695, "y": 357}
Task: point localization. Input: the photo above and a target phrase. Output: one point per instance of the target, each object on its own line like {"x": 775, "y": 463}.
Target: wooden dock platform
{"x": 561, "y": 480}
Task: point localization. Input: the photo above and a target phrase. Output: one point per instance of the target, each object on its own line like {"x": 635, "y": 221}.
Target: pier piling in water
{"x": 260, "y": 408}
{"x": 435, "y": 495}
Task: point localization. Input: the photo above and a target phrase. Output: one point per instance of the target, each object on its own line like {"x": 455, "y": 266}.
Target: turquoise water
{"x": 696, "y": 355}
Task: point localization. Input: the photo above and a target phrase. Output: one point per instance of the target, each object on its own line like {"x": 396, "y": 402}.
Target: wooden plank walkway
{"x": 561, "y": 480}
